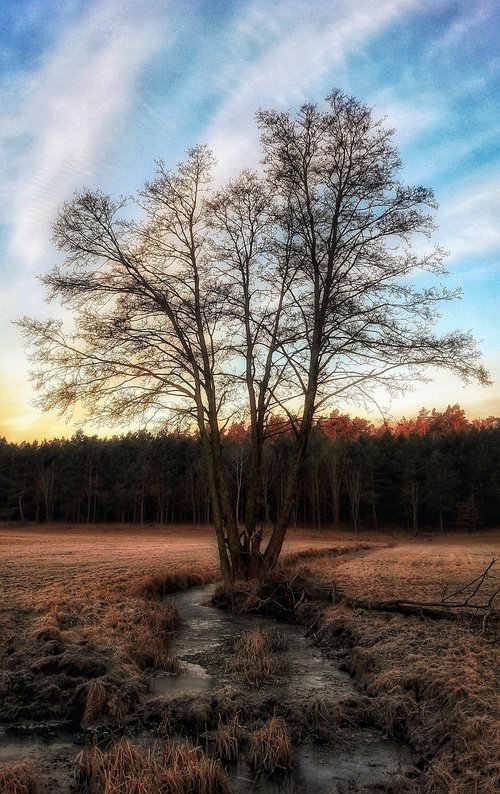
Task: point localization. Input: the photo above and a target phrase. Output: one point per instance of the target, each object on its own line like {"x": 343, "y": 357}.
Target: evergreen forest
{"x": 436, "y": 472}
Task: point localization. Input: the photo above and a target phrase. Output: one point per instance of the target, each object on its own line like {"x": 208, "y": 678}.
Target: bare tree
{"x": 272, "y": 296}
{"x": 354, "y": 480}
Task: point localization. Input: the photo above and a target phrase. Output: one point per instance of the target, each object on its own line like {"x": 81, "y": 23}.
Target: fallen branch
{"x": 479, "y": 579}
{"x": 445, "y": 608}
{"x": 422, "y": 608}
{"x": 441, "y": 609}
{"x": 282, "y": 595}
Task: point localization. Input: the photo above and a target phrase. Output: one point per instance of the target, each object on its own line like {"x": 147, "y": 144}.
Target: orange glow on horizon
{"x": 20, "y": 423}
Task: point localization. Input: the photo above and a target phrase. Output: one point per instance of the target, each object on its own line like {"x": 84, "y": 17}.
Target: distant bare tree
{"x": 273, "y": 295}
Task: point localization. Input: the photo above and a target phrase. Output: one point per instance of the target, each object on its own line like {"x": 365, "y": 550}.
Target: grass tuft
{"x": 103, "y": 702}
{"x": 270, "y": 748}
{"x": 228, "y": 739}
{"x": 21, "y": 777}
{"x": 144, "y": 632}
{"x": 324, "y": 717}
{"x": 173, "y": 769}
{"x": 252, "y": 656}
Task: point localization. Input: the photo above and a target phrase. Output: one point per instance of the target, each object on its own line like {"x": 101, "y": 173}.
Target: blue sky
{"x": 93, "y": 91}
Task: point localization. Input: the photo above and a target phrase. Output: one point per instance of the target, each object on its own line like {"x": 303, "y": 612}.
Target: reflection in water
{"x": 364, "y": 757}
{"x": 361, "y": 756}
{"x": 14, "y": 746}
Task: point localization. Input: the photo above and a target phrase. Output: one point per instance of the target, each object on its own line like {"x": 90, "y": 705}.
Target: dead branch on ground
{"x": 485, "y": 610}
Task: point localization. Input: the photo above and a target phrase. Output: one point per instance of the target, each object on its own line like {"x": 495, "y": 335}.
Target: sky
{"x": 92, "y": 92}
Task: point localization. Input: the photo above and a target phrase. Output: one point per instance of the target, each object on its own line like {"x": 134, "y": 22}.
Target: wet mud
{"x": 340, "y": 758}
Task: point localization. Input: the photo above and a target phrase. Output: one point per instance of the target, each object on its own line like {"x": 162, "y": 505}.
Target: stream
{"x": 202, "y": 642}
{"x": 205, "y": 631}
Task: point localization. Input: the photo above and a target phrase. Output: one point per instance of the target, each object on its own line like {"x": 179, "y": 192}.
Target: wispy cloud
{"x": 469, "y": 216}
{"x": 410, "y": 119}
{"x": 71, "y": 110}
{"x": 469, "y": 18}
{"x": 95, "y": 89}
{"x": 294, "y": 66}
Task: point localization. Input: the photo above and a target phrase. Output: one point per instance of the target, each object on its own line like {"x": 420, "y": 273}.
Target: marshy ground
{"x": 90, "y": 628}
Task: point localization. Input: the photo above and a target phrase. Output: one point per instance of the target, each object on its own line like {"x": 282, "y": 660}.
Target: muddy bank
{"x": 433, "y": 684}
{"x": 430, "y": 683}
{"x": 317, "y": 702}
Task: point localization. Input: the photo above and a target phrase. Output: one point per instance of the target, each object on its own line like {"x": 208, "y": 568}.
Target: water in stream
{"x": 202, "y": 641}
{"x": 204, "y": 629}
{"x": 365, "y": 757}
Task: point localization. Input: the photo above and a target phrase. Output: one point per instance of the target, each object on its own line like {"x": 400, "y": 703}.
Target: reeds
{"x": 229, "y": 738}
{"x": 21, "y": 777}
{"x": 252, "y": 656}
{"x": 270, "y": 748}
{"x": 172, "y": 769}
{"x": 324, "y": 717}
{"x": 103, "y": 702}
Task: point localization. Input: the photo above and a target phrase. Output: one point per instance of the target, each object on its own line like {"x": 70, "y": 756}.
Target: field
{"x": 84, "y": 624}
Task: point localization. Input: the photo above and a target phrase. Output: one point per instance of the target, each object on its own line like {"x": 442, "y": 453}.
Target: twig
{"x": 480, "y": 579}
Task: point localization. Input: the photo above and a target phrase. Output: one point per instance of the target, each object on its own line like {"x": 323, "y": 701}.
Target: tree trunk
{"x": 275, "y": 544}
{"x": 21, "y": 508}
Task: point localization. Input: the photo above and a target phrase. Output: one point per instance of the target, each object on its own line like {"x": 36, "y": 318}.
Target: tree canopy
{"x": 272, "y": 296}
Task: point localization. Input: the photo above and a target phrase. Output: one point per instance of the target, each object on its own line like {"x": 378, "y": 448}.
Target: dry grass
{"x": 84, "y": 603}
{"x": 435, "y": 683}
{"x": 172, "y": 769}
{"x": 20, "y": 778}
{"x": 229, "y": 738}
{"x": 270, "y": 748}
{"x": 254, "y": 642}
{"x": 104, "y": 702}
{"x": 416, "y": 570}
{"x": 253, "y": 659}
{"x": 154, "y": 586}
{"x": 324, "y": 717}
{"x": 144, "y": 632}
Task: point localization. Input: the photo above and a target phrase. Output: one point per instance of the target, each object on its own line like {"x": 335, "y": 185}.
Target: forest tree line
{"x": 435, "y": 472}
